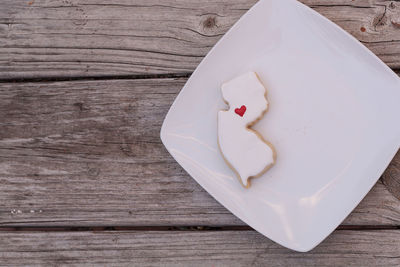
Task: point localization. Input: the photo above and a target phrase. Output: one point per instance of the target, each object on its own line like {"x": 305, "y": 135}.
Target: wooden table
{"x": 84, "y": 178}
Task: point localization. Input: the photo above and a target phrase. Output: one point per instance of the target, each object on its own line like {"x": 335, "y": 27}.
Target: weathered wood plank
{"x": 89, "y": 153}
{"x": 65, "y": 38}
{"x": 230, "y": 248}
{"x": 391, "y": 177}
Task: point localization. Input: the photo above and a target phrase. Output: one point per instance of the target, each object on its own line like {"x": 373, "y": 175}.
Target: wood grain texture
{"x": 68, "y": 38}
{"x": 391, "y": 177}
{"x": 229, "y": 248}
{"x": 87, "y": 153}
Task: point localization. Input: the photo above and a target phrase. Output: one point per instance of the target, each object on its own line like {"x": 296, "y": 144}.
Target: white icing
{"x": 242, "y": 148}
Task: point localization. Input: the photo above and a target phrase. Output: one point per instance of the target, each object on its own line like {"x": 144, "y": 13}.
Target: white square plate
{"x": 333, "y": 120}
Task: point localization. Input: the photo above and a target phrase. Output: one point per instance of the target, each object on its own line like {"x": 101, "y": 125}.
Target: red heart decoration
{"x": 240, "y": 111}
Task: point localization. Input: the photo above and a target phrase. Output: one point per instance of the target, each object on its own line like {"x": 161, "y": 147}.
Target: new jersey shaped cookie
{"x": 246, "y": 151}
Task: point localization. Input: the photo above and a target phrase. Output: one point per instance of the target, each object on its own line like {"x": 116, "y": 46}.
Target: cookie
{"x": 245, "y": 151}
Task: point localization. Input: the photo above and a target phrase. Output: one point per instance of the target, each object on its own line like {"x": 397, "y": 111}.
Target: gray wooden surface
{"x": 206, "y": 248}
{"x": 84, "y": 87}
{"x": 68, "y": 38}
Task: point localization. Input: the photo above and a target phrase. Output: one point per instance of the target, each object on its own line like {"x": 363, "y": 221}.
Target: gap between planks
{"x": 113, "y": 77}
{"x": 199, "y": 228}
{"x": 96, "y": 78}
